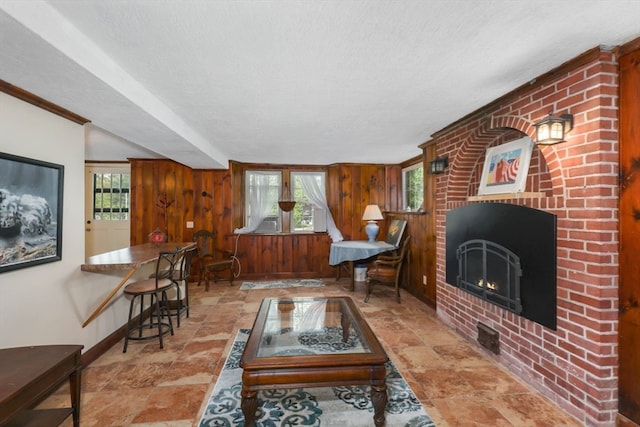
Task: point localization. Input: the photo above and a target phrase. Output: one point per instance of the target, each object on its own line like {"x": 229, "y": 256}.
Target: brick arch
{"x": 472, "y": 149}
{"x": 549, "y": 154}
{"x": 513, "y": 122}
{"x": 465, "y": 158}
{"x": 554, "y": 166}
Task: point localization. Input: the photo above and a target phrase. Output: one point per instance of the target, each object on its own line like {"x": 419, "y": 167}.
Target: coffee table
{"x": 311, "y": 342}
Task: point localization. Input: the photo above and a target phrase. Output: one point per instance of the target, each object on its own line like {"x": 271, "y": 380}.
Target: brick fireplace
{"x": 575, "y": 364}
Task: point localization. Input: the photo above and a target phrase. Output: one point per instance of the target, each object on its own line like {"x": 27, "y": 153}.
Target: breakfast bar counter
{"x": 132, "y": 257}
{"x": 127, "y": 259}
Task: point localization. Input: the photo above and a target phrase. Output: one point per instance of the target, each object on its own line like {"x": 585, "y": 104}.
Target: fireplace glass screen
{"x": 490, "y": 271}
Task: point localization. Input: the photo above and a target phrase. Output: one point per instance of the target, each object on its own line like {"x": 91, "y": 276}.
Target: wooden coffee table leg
{"x": 379, "y": 402}
{"x": 345, "y": 322}
{"x": 249, "y": 406}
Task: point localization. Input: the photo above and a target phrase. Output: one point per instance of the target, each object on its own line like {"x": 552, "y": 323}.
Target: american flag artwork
{"x": 503, "y": 168}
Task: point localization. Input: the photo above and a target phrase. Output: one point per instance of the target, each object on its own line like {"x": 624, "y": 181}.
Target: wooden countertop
{"x": 132, "y": 257}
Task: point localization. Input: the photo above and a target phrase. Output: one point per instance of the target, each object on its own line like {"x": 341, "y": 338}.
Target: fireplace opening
{"x": 515, "y": 268}
{"x": 491, "y": 272}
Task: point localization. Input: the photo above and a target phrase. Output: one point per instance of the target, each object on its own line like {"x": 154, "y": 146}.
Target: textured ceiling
{"x": 301, "y": 82}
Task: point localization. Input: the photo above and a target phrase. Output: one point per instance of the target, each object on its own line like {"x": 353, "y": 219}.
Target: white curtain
{"x": 317, "y": 197}
{"x": 261, "y": 200}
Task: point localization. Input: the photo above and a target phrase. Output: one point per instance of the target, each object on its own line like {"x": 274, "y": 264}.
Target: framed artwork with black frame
{"x": 31, "y": 195}
{"x": 506, "y": 167}
{"x": 395, "y": 232}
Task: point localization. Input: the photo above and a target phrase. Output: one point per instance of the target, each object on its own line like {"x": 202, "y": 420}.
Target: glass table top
{"x": 308, "y": 326}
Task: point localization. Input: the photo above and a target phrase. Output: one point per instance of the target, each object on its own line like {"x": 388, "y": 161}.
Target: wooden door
{"x": 103, "y": 235}
{"x": 629, "y": 318}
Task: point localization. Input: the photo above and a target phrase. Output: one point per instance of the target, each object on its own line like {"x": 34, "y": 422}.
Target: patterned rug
{"x": 327, "y": 406}
{"x": 278, "y": 284}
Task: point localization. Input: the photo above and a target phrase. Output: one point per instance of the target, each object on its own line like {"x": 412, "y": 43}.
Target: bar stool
{"x": 156, "y": 287}
{"x": 181, "y": 276}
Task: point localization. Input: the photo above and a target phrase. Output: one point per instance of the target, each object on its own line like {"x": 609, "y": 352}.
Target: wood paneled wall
{"x": 629, "y": 292}
{"x": 351, "y": 188}
{"x": 167, "y": 195}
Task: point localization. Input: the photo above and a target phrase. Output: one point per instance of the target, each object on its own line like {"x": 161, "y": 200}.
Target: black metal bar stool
{"x": 156, "y": 287}
{"x": 181, "y": 277}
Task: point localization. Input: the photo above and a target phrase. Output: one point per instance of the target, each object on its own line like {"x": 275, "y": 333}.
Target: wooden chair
{"x": 386, "y": 270}
{"x": 212, "y": 260}
{"x": 156, "y": 287}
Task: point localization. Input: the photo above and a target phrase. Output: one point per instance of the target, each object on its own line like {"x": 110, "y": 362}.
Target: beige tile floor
{"x": 457, "y": 384}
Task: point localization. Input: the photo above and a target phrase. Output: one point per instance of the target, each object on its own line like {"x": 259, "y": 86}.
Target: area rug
{"x": 327, "y": 406}
{"x": 278, "y": 284}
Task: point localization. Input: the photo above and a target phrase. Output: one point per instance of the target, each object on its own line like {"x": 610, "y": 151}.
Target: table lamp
{"x": 372, "y": 214}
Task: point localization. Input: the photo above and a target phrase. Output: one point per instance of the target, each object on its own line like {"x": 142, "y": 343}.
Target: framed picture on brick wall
{"x": 506, "y": 167}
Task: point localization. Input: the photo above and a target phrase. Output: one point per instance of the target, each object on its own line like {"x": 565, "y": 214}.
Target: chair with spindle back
{"x": 212, "y": 260}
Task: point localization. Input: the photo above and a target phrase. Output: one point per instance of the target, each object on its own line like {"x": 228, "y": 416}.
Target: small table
{"x": 283, "y": 351}
{"x": 30, "y": 374}
{"x": 356, "y": 250}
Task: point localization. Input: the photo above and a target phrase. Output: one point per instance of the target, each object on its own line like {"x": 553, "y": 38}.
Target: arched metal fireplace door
{"x": 491, "y": 272}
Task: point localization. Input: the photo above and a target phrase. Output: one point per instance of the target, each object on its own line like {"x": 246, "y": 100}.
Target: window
{"x": 258, "y": 189}
{"x": 308, "y": 188}
{"x": 413, "y": 187}
{"x": 111, "y": 196}
{"x": 263, "y": 189}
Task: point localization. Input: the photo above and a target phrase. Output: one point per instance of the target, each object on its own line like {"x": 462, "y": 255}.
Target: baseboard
{"x": 101, "y": 348}
{"x": 622, "y": 421}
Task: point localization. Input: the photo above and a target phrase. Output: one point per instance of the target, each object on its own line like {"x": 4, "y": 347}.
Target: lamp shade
{"x": 372, "y": 213}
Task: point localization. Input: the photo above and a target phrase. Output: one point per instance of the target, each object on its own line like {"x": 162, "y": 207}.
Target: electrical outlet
{"x": 189, "y": 224}
{"x": 424, "y": 280}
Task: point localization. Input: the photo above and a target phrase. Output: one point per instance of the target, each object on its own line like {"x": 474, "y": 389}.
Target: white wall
{"x": 48, "y": 303}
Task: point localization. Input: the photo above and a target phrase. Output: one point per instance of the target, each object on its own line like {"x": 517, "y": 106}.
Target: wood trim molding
{"x": 33, "y": 99}
{"x": 412, "y": 161}
{"x": 588, "y": 56}
{"x": 507, "y": 196}
{"x": 629, "y": 47}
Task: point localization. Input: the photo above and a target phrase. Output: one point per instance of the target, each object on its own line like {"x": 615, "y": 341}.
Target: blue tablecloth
{"x": 355, "y": 250}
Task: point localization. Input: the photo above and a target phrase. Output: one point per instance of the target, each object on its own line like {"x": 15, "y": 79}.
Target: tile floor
{"x": 457, "y": 384}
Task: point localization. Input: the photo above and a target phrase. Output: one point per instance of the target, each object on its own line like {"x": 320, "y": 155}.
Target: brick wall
{"x": 575, "y": 365}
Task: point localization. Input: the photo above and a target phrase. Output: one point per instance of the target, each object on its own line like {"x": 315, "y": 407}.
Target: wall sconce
{"x": 372, "y": 214}
{"x": 552, "y": 130}
{"x": 438, "y": 165}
